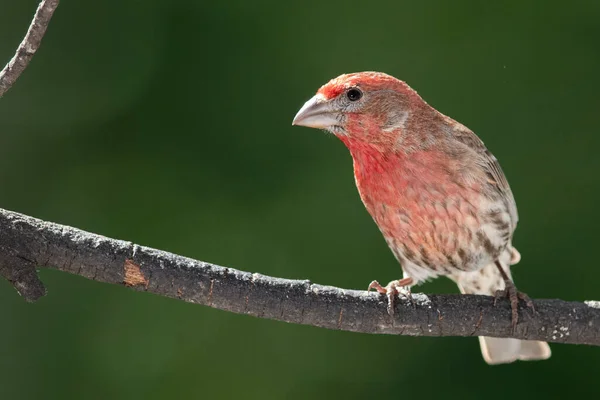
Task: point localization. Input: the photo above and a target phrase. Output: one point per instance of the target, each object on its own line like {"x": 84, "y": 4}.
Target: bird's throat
{"x": 389, "y": 178}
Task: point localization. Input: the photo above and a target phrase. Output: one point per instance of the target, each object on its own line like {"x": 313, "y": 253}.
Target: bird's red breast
{"x": 415, "y": 200}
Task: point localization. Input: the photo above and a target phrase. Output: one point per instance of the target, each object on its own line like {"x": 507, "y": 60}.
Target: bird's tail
{"x": 495, "y": 350}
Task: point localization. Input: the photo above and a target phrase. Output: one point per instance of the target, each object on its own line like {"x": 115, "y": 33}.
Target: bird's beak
{"x": 316, "y": 113}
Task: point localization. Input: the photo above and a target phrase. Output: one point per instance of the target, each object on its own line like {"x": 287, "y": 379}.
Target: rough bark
{"x": 29, "y": 45}
{"x": 26, "y": 242}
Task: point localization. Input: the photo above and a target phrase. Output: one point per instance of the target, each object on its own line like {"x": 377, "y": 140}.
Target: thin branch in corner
{"x": 26, "y": 242}
{"x": 28, "y": 46}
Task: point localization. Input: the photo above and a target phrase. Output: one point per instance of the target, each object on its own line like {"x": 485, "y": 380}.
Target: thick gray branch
{"x": 26, "y": 242}
{"x": 28, "y": 46}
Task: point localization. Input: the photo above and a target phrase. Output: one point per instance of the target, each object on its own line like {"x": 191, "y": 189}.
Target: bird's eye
{"x": 354, "y": 94}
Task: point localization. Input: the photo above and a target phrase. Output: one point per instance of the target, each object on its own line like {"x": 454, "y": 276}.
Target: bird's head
{"x": 364, "y": 107}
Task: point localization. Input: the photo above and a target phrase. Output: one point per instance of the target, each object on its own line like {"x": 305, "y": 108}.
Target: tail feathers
{"x": 502, "y": 351}
{"x": 496, "y": 350}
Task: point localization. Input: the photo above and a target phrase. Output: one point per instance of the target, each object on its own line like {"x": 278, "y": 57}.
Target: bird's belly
{"x": 440, "y": 235}
{"x": 433, "y": 221}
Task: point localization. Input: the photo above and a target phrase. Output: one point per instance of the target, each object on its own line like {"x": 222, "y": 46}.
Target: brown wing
{"x": 490, "y": 165}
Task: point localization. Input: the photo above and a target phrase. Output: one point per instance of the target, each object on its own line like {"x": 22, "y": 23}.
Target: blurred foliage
{"x": 167, "y": 123}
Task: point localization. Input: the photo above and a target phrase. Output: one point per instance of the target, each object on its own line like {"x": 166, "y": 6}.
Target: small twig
{"x": 26, "y": 242}
{"x": 28, "y": 46}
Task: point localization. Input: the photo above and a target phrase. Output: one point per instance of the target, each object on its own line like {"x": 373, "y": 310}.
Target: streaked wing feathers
{"x": 490, "y": 164}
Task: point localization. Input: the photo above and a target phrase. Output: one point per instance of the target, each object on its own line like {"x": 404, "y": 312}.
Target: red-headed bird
{"x": 434, "y": 190}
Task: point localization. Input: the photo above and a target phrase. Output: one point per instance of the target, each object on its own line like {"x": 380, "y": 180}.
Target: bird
{"x": 437, "y": 194}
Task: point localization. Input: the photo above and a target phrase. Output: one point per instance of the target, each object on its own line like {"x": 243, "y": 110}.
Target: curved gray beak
{"x": 316, "y": 113}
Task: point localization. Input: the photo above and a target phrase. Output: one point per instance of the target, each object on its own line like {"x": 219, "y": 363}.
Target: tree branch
{"x": 28, "y": 46}
{"x": 26, "y": 242}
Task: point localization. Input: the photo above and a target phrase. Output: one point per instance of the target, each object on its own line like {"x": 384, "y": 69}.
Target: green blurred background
{"x": 168, "y": 123}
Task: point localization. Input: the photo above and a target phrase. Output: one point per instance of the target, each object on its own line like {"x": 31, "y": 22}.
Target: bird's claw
{"x": 377, "y": 286}
{"x": 397, "y": 287}
{"x": 513, "y": 295}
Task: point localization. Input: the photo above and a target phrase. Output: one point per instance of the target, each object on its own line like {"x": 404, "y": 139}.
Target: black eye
{"x": 353, "y": 94}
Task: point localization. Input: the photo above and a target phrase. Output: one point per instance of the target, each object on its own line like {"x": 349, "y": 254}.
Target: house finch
{"x": 434, "y": 190}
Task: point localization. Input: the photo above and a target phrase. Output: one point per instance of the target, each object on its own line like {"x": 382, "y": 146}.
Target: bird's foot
{"x": 399, "y": 287}
{"x": 510, "y": 292}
